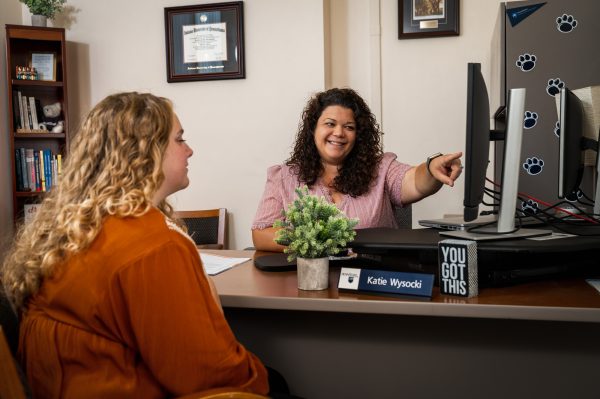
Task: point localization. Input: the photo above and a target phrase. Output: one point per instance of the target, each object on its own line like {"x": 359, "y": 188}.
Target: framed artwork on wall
{"x": 428, "y": 18}
{"x": 205, "y": 42}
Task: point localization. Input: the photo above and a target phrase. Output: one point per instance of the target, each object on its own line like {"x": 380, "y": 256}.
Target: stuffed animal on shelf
{"x": 60, "y": 126}
{"x": 52, "y": 110}
{"x": 51, "y": 117}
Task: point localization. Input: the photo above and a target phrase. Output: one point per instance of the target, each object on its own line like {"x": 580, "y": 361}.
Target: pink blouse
{"x": 373, "y": 209}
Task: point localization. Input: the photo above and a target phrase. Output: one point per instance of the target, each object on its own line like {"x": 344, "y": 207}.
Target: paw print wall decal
{"x": 554, "y": 86}
{"x": 530, "y": 120}
{"x": 526, "y": 62}
{"x": 566, "y": 23}
{"x": 530, "y": 207}
{"x": 533, "y": 165}
{"x": 574, "y": 196}
{"x": 557, "y": 129}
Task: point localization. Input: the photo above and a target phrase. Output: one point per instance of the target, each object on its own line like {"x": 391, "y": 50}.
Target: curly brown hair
{"x": 360, "y": 166}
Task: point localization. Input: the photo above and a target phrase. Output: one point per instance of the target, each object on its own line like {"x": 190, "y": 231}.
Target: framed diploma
{"x": 427, "y": 18}
{"x": 205, "y": 42}
{"x": 45, "y": 65}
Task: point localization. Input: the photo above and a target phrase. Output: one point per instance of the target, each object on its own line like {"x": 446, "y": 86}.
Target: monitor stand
{"x": 505, "y": 229}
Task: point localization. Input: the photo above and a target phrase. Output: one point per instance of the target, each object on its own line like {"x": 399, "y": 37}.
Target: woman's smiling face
{"x": 335, "y": 134}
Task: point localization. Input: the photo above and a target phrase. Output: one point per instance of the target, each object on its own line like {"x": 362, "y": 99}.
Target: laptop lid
{"x": 457, "y": 222}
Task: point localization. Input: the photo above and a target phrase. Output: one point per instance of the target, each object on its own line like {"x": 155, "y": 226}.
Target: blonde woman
{"x": 113, "y": 297}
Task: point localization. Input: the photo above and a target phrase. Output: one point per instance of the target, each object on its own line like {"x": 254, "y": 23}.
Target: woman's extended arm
{"x": 263, "y": 240}
{"x": 419, "y": 182}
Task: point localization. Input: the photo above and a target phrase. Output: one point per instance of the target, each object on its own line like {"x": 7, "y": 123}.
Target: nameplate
{"x": 386, "y": 282}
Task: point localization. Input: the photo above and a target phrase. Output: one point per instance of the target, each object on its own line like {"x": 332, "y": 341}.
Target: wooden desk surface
{"x": 245, "y": 286}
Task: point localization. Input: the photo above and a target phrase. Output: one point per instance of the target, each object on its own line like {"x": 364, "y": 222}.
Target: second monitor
{"x": 476, "y": 162}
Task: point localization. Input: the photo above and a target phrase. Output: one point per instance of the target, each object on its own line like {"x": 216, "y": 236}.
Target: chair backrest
{"x": 9, "y": 322}
{"x": 11, "y": 386}
{"x": 208, "y": 228}
{"x": 404, "y": 217}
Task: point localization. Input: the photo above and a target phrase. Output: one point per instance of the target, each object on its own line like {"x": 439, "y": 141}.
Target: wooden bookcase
{"x": 21, "y": 43}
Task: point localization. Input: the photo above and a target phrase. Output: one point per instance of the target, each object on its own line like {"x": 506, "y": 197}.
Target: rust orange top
{"x": 132, "y": 317}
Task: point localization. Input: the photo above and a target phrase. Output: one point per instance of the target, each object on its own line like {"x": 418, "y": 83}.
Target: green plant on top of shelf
{"x": 47, "y": 8}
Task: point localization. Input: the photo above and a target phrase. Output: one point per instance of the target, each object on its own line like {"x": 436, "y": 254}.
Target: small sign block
{"x": 386, "y": 282}
{"x": 458, "y": 268}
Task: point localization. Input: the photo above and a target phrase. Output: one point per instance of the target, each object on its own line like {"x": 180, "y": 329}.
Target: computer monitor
{"x": 570, "y": 153}
{"x": 573, "y": 143}
{"x": 478, "y": 141}
{"x": 478, "y": 136}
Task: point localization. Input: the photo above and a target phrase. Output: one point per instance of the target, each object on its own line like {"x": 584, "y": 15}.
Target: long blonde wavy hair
{"x": 114, "y": 167}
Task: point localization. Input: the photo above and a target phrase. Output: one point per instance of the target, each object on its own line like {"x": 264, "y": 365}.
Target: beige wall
{"x": 237, "y": 128}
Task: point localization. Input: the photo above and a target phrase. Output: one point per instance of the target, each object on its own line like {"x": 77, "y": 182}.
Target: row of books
{"x": 37, "y": 170}
{"x": 27, "y": 112}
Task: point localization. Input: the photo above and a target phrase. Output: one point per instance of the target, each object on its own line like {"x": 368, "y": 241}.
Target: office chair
{"x": 207, "y": 228}
{"x": 10, "y": 382}
{"x": 9, "y": 322}
{"x": 403, "y": 217}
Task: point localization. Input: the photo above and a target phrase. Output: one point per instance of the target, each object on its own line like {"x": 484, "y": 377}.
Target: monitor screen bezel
{"x": 571, "y": 155}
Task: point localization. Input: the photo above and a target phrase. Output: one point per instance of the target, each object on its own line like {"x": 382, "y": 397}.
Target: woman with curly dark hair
{"x": 338, "y": 154}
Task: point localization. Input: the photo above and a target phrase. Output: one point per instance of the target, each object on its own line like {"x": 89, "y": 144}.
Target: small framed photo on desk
{"x": 428, "y": 18}
{"x": 205, "y": 42}
{"x": 45, "y": 65}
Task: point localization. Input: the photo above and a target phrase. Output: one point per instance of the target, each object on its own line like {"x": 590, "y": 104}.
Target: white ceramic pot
{"x": 313, "y": 274}
{"x": 39, "y": 20}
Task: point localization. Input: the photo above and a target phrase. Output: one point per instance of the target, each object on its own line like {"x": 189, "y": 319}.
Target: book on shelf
{"x": 18, "y": 174}
{"x": 42, "y": 170}
{"x": 26, "y": 113}
{"x": 49, "y": 169}
{"x": 20, "y": 104}
{"x": 36, "y": 167}
{"x": 24, "y": 175}
{"x": 30, "y": 168}
{"x": 58, "y": 166}
{"x": 34, "y": 118}
{"x": 16, "y": 108}
{"x": 39, "y": 111}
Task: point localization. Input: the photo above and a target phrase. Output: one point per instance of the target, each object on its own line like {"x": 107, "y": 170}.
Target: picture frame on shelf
{"x": 45, "y": 65}
{"x": 428, "y": 18}
{"x": 205, "y": 42}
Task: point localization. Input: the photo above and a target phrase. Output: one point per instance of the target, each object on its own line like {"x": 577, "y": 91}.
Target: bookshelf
{"x": 37, "y": 137}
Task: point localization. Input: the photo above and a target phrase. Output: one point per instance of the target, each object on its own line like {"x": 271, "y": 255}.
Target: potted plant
{"x": 313, "y": 230}
{"x": 42, "y": 9}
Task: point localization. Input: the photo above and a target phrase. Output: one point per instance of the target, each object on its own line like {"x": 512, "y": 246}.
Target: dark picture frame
{"x": 205, "y": 42}
{"x": 428, "y": 18}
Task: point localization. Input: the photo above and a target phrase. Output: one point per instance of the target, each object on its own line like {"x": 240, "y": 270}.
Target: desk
{"x": 526, "y": 341}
